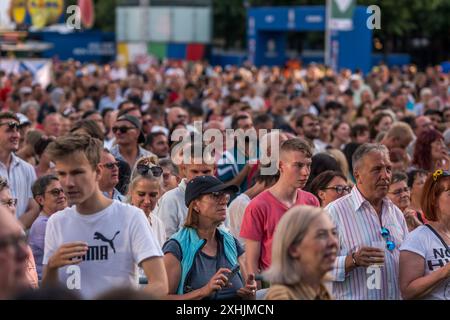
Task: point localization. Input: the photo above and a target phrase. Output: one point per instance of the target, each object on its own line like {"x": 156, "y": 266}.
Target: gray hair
{"x": 26, "y": 106}
{"x": 366, "y": 148}
{"x": 290, "y": 230}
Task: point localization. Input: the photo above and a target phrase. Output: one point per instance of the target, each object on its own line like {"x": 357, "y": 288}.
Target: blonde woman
{"x": 304, "y": 249}
{"x": 144, "y": 191}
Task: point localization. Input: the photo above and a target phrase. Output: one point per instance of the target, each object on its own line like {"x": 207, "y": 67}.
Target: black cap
{"x": 204, "y": 185}
{"x": 135, "y": 122}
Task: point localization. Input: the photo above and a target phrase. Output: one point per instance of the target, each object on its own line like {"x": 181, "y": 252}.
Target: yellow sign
{"x": 18, "y": 11}
{"x": 45, "y": 12}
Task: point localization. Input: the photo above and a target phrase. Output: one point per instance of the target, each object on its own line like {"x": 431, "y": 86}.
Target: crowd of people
{"x": 108, "y": 187}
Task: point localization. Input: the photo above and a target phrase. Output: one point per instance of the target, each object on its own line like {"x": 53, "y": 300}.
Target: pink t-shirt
{"x": 262, "y": 216}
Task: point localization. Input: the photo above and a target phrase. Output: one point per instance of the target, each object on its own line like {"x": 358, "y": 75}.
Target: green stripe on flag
{"x": 158, "y": 49}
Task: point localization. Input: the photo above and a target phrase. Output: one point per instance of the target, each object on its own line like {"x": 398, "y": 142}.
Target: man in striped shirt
{"x": 370, "y": 228}
{"x": 19, "y": 174}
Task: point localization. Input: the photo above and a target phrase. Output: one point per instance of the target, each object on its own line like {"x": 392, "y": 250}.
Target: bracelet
{"x": 354, "y": 260}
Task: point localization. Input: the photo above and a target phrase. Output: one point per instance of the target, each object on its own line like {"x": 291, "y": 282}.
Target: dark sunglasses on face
{"x": 219, "y": 195}
{"x": 11, "y": 125}
{"x": 147, "y": 122}
{"x": 122, "y": 129}
{"x": 111, "y": 165}
{"x": 390, "y": 245}
{"x": 144, "y": 170}
{"x": 340, "y": 189}
{"x": 56, "y": 192}
{"x": 9, "y": 202}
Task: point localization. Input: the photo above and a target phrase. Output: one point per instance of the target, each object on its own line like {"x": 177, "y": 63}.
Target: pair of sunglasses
{"x": 11, "y": 125}
{"x": 145, "y": 170}
{"x": 390, "y": 245}
{"x": 122, "y": 129}
{"x": 111, "y": 165}
{"x": 219, "y": 195}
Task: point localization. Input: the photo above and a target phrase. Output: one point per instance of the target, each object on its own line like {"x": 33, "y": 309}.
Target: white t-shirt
{"x": 119, "y": 238}
{"x": 236, "y": 212}
{"x": 158, "y": 228}
{"x": 426, "y": 244}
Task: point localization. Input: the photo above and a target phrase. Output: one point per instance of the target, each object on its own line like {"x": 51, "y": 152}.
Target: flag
{"x": 341, "y": 15}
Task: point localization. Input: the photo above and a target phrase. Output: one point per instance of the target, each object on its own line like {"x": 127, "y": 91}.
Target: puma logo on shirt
{"x": 101, "y": 237}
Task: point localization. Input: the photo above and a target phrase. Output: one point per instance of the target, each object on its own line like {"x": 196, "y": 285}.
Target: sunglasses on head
{"x": 145, "y": 170}
{"x": 390, "y": 245}
{"x": 11, "y": 125}
{"x": 111, "y": 165}
{"x": 122, "y": 129}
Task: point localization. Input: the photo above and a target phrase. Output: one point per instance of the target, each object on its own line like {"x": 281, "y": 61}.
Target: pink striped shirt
{"x": 358, "y": 225}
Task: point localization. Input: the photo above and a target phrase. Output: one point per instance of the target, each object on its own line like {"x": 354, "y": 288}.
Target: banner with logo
{"x": 341, "y": 14}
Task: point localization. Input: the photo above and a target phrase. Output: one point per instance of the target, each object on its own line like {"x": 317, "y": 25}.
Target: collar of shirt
{"x": 182, "y": 185}
{"x": 14, "y": 161}
{"x": 307, "y": 293}
{"x": 359, "y": 200}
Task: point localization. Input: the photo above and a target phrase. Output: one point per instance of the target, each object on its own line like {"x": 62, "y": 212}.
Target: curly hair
{"x": 422, "y": 150}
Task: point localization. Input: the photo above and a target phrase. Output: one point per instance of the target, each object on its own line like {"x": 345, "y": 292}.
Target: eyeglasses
{"x": 390, "y": 245}
{"x": 147, "y": 122}
{"x": 217, "y": 196}
{"x": 400, "y": 191}
{"x": 11, "y": 125}
{"x": 122, "y": 129}
{"x": 111, "y": 165}
{"x": 340, "y": 189}
{"x": 56, "y": 192}
{"x": 13, "y": 241}
{"x": 144, "y": 170}
{"x": 9, "y": 202}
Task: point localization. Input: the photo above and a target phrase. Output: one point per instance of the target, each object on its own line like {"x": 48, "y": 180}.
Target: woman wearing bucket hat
{"x": 202, "y": 260}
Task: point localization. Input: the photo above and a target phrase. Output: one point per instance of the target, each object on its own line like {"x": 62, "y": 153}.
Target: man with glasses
{"x": 19, "y": 174}
{"x": 129, "y": 136}
{"x": 48, "y": 193}
{"x": 365, "y": 220}
{"x": 13, "y": 256}
{"x": 109, "y": 177}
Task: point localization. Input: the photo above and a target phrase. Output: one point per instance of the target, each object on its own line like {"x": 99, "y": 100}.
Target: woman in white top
{"x": 425, "y": 254}
{"x": 144, "y": 191}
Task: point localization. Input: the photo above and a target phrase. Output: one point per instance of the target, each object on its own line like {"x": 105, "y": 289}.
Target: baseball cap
{"x": 206, "y": 184}
{"x": 135, "y": 122}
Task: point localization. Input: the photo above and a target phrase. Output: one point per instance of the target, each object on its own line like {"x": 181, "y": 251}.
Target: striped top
{"x": 358, "y": 225}
{"x": 20, "y": 177}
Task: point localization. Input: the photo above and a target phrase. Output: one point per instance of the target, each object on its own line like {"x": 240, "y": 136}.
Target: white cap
{"x": 25, "y": 90}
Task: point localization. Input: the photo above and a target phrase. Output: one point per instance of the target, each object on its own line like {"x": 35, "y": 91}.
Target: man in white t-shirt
{"x": 96, "y": 244}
